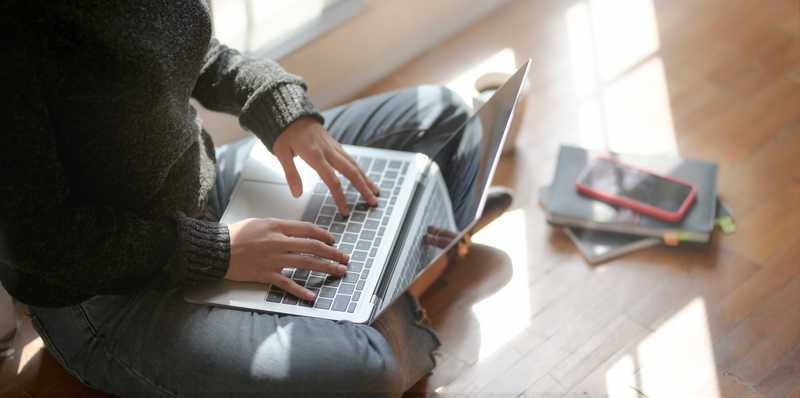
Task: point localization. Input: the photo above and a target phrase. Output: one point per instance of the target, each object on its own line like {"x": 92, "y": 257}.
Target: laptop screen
{"x": 449, "y": 202}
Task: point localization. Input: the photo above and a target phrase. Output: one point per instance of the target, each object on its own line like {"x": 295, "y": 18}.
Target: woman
{"x": 112, "y": 195}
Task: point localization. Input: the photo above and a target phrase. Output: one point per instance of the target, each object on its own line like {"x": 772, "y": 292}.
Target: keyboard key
{"x": 351, "y": 197}
{"x": 395, "y": 164}
{"x": 312, "y": 208}
{"x": 327, "y": 292}
{"x": 340, "y": 218}
{"x": 386, "y": 193}
{"x": 304, "y": 303}
{"x": 385, "y": 221}
{"x": 346, "y": 288}
{"x": 376, "y": 214}
{"x": 350, "y": 277}
{"x": 393, "y": 200}
{"x": 320, "y": 188}
{"x": 328, "y": 211}
{"x": 274, "y": 296}
{"x": 373, "y": 252}
{"x": 369, "y": 262}
{"x": 379, "y": 165}
{"x": 319, "y": 274}
{"x": 332, "y": 281}
{"x": 290, "y": 300}
{"x": 351, "y": 308}
{"x": 337, "y": 228}
{"x": 301, "y": 274}
{"x": 364, "y": 162}
{"x": 363, "y": 244}
{"x": 371, "y": 224}
{"x": 405, "y": 167}
{"x": 323, "y": 303}
{"x": 376, "y": 242}
{"x": 362, "y": 206}
{"x": 357, "y": 295}
{"x": 391, "y": 174}
{"x": 354, "y": 227}
{"x": 358, "y": 216}
{"x": 364, "y": 276}
{"x": 287, "y": 272}
{"x": 389, "y": 209}
{"x": 375, "y": 177}
{"x": 337, "y": 238}
{"x": 382, "y": 202}
{"x": 349, "y": 238}
{"x": 360, "y": 285}
{"x": 355, "y": 266}
{"x": 315, "y": 282}
{"x": 387, "y": 184}
{"x": 381, "y": 231}
{"x": 340, "y": 303}
{"x": 368, "y": 234}
{"x": 324, "y": 221}
{"x": 358, "y": 255}
{"x": 346, "y": 247}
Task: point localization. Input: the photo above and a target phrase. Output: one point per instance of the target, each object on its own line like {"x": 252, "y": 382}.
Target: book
{"x": 600, "y": 246}
{"x": 570, "y": 208}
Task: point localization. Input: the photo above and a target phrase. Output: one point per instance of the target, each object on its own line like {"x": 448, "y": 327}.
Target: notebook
{"x": 570, "y": 208}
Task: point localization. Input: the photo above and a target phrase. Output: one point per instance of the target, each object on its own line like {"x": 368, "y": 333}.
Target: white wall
{"x": 387, "y": 34}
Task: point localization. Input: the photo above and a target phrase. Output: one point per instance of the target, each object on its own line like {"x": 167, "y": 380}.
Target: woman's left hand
{"x": 307, "y": 138}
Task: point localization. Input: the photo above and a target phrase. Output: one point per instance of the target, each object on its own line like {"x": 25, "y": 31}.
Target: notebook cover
{"x": 568, "y": 207}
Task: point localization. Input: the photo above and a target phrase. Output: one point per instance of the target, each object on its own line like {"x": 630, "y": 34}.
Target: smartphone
{"x": 659, "y": 196}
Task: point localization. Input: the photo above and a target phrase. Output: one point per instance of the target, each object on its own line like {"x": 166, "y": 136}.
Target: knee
{"x": 448, "y": 102}
{"x": 362, "y": 362}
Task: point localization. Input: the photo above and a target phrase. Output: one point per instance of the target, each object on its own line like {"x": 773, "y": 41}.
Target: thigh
{"x": 418, "y": 119}
{"x": 155, "y": 344}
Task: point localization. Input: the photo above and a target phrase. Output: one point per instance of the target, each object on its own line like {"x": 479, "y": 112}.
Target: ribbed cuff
{"x": 204, "y": 248}
{"x": 268, "y": 113}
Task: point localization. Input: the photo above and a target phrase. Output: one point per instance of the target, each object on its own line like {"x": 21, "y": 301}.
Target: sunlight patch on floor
{"x": 506, "y": 313}
{"x": 618, "y": 77}
{"x": 676, "y": 360}
{"x": 28, "y": 352}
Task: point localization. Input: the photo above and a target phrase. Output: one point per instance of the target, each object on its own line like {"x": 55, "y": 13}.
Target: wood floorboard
{"x": 712, "y": 79}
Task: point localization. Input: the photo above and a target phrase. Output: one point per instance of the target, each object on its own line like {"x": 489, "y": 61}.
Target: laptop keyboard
{"x": 358, "y": 235}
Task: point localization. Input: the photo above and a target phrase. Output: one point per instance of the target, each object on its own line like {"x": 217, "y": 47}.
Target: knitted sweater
{"x": 105, "y": 169}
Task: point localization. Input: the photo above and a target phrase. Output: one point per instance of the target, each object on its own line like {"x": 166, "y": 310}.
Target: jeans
{"x": 153, "y": 343}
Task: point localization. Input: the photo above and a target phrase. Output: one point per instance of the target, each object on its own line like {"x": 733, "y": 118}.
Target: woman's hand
{"x": 262, "y": 247}
{"x": 307, "y": 138}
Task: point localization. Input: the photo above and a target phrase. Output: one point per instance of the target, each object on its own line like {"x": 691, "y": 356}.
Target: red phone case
{"x": 640, "y": 207}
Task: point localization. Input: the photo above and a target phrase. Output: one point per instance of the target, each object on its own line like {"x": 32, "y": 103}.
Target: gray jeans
{"x": 155, "y": 344}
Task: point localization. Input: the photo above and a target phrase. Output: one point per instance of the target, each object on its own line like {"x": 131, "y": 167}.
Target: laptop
{"x": 422, "y": 212}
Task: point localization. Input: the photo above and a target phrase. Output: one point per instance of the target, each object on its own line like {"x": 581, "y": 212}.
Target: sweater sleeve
{"x": 264, "y": 96}
{"x": 55, "y": 252}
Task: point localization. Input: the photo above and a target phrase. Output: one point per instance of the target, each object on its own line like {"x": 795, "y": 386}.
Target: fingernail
{"x": 309, "y": 296}
{"x": 341, "y": 269}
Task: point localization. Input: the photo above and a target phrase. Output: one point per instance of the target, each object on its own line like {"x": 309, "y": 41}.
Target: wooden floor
{"x": 523, "y": 314}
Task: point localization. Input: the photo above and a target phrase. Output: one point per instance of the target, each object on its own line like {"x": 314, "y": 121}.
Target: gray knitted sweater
{"x": 104, "y": 167}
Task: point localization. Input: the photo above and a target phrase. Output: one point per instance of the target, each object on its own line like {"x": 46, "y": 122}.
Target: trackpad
{"x": 258, "y": 199}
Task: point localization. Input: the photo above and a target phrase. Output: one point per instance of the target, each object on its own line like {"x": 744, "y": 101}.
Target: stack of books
{"x": 602, "y": 231}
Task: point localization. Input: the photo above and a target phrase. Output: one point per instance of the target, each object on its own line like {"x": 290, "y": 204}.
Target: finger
{"x": 293, "y": 288}
{"x": 353, "y": 173}
{"x": 326, "y": 172}
{"x": 317, "y": 248}
{"x": 290, "y": 170}
{"x": 301, "y": 229}
{"x": 313, "y": 264}
{"x": 373, "y": 186}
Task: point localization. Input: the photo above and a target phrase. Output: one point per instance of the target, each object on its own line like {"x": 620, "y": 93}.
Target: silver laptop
{"x": 422, "y": 212}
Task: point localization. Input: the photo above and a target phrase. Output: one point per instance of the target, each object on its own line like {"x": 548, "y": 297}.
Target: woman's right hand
{"x": 262, "y": 247}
